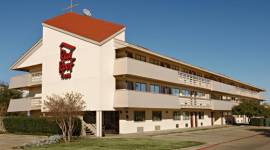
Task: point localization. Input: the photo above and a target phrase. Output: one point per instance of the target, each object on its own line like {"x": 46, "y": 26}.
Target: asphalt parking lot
{"x": 218, "y": 138}
{"x": 228, "y": 138}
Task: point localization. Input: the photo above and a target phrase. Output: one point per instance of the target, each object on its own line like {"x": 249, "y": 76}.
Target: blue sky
{"x": 231, "y": 37}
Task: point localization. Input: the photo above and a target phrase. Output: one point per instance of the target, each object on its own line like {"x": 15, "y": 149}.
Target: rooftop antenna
{"x": 71, "y": 6}
{"x": 87, "y": 12}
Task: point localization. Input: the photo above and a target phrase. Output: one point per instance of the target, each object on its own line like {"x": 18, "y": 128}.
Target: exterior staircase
{"x": 90, "y": 129}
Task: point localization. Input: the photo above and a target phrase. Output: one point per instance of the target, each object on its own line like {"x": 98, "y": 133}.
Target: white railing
{"x": 24, "y": 104}
{"x": 223, "y": 104}
{"x": 36, "y": 76}
{"x": 135, "y": 99}
{"x": 25, "y": 80}
{"x": 195, "y": 103}
{"x": 139, "y": 68}
{"x": 226, "y": 88}
{"x": 36, "y": 103}
{"x": 194, "y": 80}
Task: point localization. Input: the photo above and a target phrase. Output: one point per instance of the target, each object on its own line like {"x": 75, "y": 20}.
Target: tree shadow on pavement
{"x": 265, "y": 132}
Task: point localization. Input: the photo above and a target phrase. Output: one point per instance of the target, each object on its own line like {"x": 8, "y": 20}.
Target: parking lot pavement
{"x": 8, "y": 141}
{"x": 218, "y": 138}
{"x": 231, "y": 138}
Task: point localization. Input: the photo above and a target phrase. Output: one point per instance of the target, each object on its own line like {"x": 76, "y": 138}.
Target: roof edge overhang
{"x": 84, "y": 38}
{"x": 25, "y": 55}
{"x": 126, "y": 44}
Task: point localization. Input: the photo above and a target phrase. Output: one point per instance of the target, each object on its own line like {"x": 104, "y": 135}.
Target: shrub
{"x": 36, "y": 125}
{"x": 257, "y": 121}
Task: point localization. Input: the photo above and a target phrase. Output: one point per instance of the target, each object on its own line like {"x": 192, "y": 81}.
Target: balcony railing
{"x": 127, "y": 98}
{"x": 139, "y": 68}
{"x": 135, "y": 99}
{"x": 193, "y": 80}
{"x": 223, "y": 105}
{"x": 24, "y": 104}
{"x": 25, "y": 80}
{"x": 195, "y": 103}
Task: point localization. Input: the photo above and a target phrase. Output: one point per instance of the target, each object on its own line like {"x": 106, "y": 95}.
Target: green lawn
{"x": 120, "y": 144}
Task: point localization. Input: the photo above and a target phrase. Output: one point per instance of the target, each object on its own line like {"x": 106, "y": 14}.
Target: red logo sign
{"x": 66, "y": 62}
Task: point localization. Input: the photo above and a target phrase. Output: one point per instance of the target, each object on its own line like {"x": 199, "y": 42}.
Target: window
{"x": 175, "y": 91}
{"x": 176, "y": 115}
{"x": 184, "y": 92}
{"x": 175, "y": 67}
{"x": 165, "y": 90}
{"x": 141, "y": 58}
{"x": 201, "y": 115}
{"x": 200, "y": 94}
{"x": 130, "y": 85}
{"x": 140, "y": 87}
{"x": 139, "y": 116}
{"x": 154, "y": 88}
{"x": 164, "y": 65}
{"x": 185, "y": 115}
{"x": 129, "y": 54}
{"x": 154, "y": 61}
{"x": 156, "y": 115}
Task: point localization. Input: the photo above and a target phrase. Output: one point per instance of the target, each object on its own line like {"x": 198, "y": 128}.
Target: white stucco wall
{"x": 167, "y": 122}
{"x": 92, "y": 73}
{"x": 34, "y": 59}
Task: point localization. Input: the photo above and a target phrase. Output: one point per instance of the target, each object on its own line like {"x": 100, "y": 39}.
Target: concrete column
{"x": 99, "y": 123}
{"x": 222, "y": 118}
{"x": 28, "y": 113}
{"x": 212, "y": 118}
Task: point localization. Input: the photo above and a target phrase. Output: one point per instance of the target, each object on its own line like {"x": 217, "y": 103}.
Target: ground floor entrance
{"x": 142, "y": 120}
{"x": 193, "y": 119}
{"x": 110, "y": 122}
{"x": 104, "y": 122}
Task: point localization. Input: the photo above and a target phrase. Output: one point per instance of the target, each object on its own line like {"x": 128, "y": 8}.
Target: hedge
{"x": 267, "y": 122}
{"x": 36, "y": 125}
{"x": 257, "y": 121}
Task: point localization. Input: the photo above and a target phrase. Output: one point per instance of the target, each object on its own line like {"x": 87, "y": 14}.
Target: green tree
{"x": 5, "y": 95}
{"x": 251, "y": 109}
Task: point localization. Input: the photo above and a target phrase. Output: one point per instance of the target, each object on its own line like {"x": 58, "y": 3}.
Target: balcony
{"x": 195, "y": 104}
{"x": 25, "y": 80}
{"x": 223, "y": 105}
{"x": 135, "y": 99}
{"x": 139, "y": 68}
{"x": 225, "y": 88}
{"x": 134, "y": 67}
{"x": 24, "y": 104}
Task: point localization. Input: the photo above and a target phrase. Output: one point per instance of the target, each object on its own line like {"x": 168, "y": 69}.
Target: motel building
{"x": 127, "y": 88}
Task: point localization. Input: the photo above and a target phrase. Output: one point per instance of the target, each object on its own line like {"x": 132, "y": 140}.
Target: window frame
{"x": 131, "y": 83}
{"x": 173, "y": 91}
{"x": 137, "y": 118}
{"x": 186, "y": 115}
{"x": 176, "y": 115}
{"x": 140, "y": 57}
{"x": 201, "y": 115}
{"x": 140, "y": 86}
{"x": 156, "y": 88}
{"x": 159, "y": 115}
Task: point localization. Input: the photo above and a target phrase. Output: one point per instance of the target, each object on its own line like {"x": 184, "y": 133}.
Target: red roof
{"x": 85, "y": 26}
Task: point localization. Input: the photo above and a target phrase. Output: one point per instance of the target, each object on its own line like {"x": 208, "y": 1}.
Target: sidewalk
{"x": 167, "y": 132}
